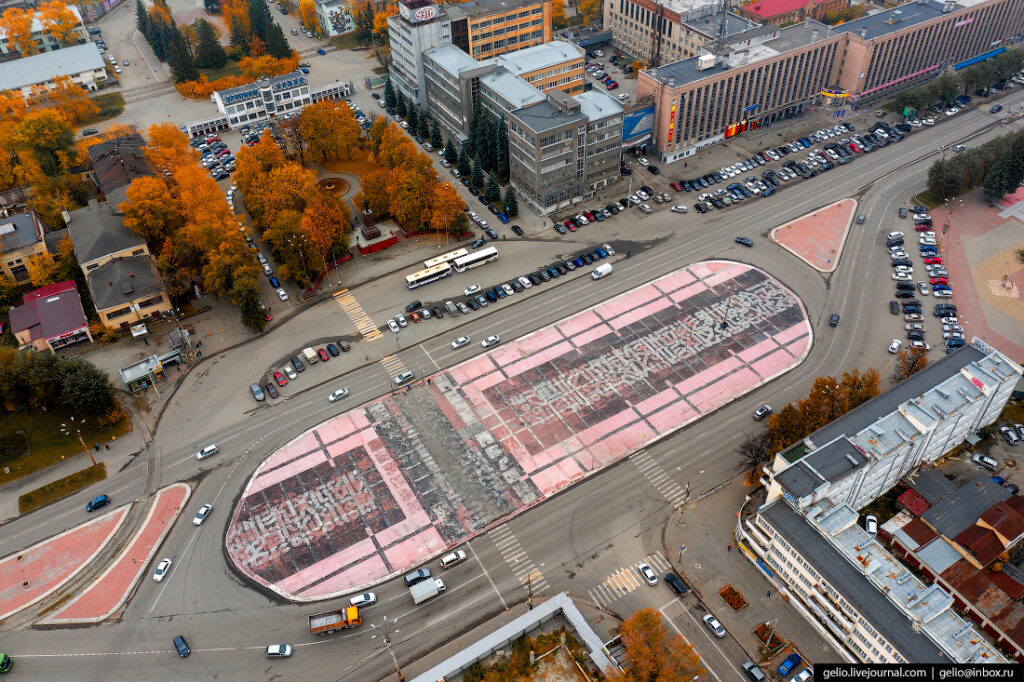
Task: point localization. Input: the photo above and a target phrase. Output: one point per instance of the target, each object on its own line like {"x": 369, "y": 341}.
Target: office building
{"x": 705, "y": 99}
{"x": 807, "y": 536}
{"x": 563, "y": 149}
{"x": 786, "y": 12}
{"x": 82, "y": 64}
{"x": 269, "y": 98}
{"x": 43, "y": 37}
{"x": 481, "y": 29}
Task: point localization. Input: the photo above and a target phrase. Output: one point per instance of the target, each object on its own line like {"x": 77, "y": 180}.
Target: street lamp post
{"x": 728, "y": 304}
{"x": 388, "y": 627}
{"x": 78, "y": 432}
{"x": 950, "y": 205}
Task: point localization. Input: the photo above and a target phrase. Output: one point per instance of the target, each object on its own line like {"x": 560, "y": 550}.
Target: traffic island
{"x": 817, "y": 238}
{"x": 111, "y": 590}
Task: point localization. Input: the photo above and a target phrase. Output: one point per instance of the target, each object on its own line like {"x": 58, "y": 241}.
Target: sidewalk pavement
{"x": 706, "y": 531}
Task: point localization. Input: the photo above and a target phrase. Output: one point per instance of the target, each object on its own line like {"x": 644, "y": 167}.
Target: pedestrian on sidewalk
{"x": 768, "y": 594}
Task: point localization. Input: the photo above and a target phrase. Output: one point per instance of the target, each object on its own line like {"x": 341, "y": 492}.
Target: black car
{"x": 562, "y": 270}
{"x": 744, "y": 241}
{"x": 478, "y": 243}
{"x": 834, "y": 320}
{"x": 915, "y": 335}
{"x": 474, "y": 191}
{"x": 415, "y": 305}
{"x": 471, "y": 302}
{"x": 904, "y": 286}
{"x": 894, "y": 307}
{"x": 903, "y": 294}
{"x": 544, "y": 276}
{"x": 438, "y": 313}
{"x": 554, "y": 273}
{"x": 587, "y": 258}
{"x": 534, "y": 278}
{"x": 271, "y": 390}
{"x": 654, "y": 170}
{"x": 332, "y": 349}
{"x": 465, "y": 181}
{"x": 518, "y": 230}
{"x": 676, "y": 583}
{"x": 902, "y": 261}
{"x": 297, "y": 364}
{"x": 491, "y": 233}
{"x": 490, "y": 207}
{"x": 700, "y": 208}
{"x": 516, "y": 286}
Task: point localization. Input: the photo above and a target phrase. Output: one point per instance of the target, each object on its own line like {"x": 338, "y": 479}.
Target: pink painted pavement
{"x": 110, "y": 591}
{"x": 817, "y": 238}
{"x": 51, "y": 563}
{"x": 382, "y": 488}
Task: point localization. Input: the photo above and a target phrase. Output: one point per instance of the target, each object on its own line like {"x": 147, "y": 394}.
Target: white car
{"x": 901, "y": 277}
{"x": 923, "y": 288}
{"x": 942, "y": 293}
{"x": 714, "y": 625}
{"x": 952, "y": 111}
{"x": 1009, "y": 435}
{"x": 282, "y": 294}
{"x": 201, "y": 515}
{"x": 914, "y": 123}
{"x": 582, "y": 219}
{"x": 393, "y": 326}
{"x": 913, "y": 317}
{"x": 922, "y": 216}
{"x": 279, "y": 651}
{"x": 287, "y": 369}
{"x": 460, "y": 342}
{"x": 950, "y": 320}
{"x": 920, "y": 344}
{"x": 927, "y": 241}
{"x": 643, "y": 162}
{"x": 490, "y": 341}
{"x": 894, "y": 235}
{"x": 894, "y": 347}
{"x": 475, "y": 289}
{"x": 162, "y": 569}
{"x": 644, "y": 196}
{"x": 645, "y": 208}
{"x": 928, "y": 121}
{"x": 509, "y": 291}
{"x": 679, "y": 208}
{"x": 525, "y": 282}
{"x": 338, "y": 395}
{"x": 647, "y": 573}
{"x": 363, "y": 600}
{"x": 608, "y": 249}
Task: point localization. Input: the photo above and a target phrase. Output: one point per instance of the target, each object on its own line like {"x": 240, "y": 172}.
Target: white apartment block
{"x": 41, "y": 36}
{"x": 806, "y": 536}
{"x": 83, "y": 64}
{"x": 269, "y": 98}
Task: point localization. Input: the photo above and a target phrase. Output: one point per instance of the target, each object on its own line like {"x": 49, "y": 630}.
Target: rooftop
{"x": 539, "y": 57}
{"x": 40, "y": 68}
{"x": 18, "y": 231}
{"x": 97, "y": 232}
{"x": 597, "y": 105}
{"x": 544, "y": 116}
{"x": 892, "y": 20}
{"x": 829, "y": 463}
{"x": 284, "y": 81}
{"x": 50, "y": 311}
{"x": 117, "y": 162}
{"x": 451, "y": 59}
{"x": 480, "y": 8}
{"x": 511, "y": 88}
{"x": 709, "y": 23}
{"x": 767, "y": 9}
{"x": 123, "y": 280}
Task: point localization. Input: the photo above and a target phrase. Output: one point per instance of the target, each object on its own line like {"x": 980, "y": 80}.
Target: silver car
{"x": 714, "y": 625}
{"x": 201, "y": 515}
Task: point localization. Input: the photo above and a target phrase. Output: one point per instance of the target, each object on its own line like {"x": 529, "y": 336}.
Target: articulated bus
{"x": 445, "y": 258}
{"x": 481, "y": 257}
{"x": 418, "y": 279}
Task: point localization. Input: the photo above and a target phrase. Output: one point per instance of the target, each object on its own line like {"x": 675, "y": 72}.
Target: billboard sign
{"x": 418, "y": 14}
{"x": 637, "y": 125}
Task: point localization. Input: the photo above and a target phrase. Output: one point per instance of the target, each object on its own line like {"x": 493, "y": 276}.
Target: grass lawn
{"x": 925, "y": 198}
{"x": 46, "y": 444}
{"x": 381, "y": 70}
{"x": 111, "y": 105}
{"x": 62, "y": 487}
{"x": 347, "y": 41}
{"x": 229, "y": 69}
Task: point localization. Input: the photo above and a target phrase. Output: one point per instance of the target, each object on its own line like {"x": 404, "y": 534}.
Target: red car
{"x": 854, "y": 147}
{"x": 676, "y": 186}
{"x": 589, "y": 216}
{"x": 923, "y": 227}
{"x": 933, "y": 260}
{"x": 612, "y": 85}
{"x": 415, "y": 317}
{"x": 279, "y": 378}
{"x": 939, "y": 280}
{"x": 324, "y": 357}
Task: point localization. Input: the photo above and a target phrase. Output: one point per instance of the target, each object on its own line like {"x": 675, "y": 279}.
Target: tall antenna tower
{"x": 720, "y": 44}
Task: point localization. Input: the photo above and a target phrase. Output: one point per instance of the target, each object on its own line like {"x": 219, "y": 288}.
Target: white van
{"x": 206, "y": 452}
{"x": 603, "y": 270}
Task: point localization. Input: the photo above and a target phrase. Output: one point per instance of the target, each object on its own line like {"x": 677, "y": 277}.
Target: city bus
{"x": 418, "y": 279}
{"x": 445, "y": 258}
{"x": 481, "y": 257}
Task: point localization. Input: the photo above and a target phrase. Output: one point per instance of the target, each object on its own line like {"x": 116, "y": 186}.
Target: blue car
{"x": 791, "y": 662}
{"x": 502, "y": 217}
{"x": 321, "y": 51}
{"x": 97, "y": 502}
{"x": 305, "y": 71}
{"x": 490, "y": 296}
{"x": 499, "y": 292}
{"x": 275, "y": 282}
{"x": 600, "y": 253}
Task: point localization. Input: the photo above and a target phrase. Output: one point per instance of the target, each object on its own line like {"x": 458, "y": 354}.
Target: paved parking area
{"x": 382, "y": 488}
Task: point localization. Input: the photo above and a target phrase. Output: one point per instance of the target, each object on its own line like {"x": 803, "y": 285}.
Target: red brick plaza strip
{"x": 111, "y": 590}
{"x": 817, "y": 238}
{"x": 379, "y": 489}
{"x": 30, "y": 575}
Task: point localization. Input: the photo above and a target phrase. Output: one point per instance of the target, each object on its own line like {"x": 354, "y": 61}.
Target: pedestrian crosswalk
{"x": 358, "y": 316}
{"x": 662, "y": 482}
{"x": 516, "y": 557}
{"x": 626, "y": 579}
{"x": 393, "y": 364}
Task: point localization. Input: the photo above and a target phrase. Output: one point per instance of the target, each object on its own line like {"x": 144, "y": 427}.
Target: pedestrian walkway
{"x": 512, "y": 552}
{"x": 358, "y": 316}
{"x": 662, "y": 482}
{"x": 626, "y": 579}
{"x": 393, "y": 364}
{"x": 110, "y": 591}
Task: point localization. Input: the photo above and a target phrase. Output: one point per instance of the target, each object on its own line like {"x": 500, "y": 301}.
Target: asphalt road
{"x": 575, "y": 539}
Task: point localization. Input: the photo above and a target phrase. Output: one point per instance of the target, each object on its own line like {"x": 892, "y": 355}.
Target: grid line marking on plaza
{"x": 662, "y": 482}
{"x": 626, "y": 579}
{"x": 393, "y": 364}
{"x": 358, "y": 316}
{"x": 516, "y": 557}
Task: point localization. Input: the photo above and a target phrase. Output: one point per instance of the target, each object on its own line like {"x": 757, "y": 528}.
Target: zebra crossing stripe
{"x": 363, "y": 323}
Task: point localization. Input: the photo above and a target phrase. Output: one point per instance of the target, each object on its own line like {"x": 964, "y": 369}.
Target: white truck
{"x": 310, "y": 356}
{"x": 422, "y": 591}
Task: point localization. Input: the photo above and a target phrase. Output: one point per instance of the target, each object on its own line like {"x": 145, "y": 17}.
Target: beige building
{"x": 21, "y": 237}
{"x": 82, "y": 64}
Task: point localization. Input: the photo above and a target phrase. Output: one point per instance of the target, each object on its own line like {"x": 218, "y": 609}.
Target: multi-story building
{"x": 564, "y": 148}
{"x": 268, "y": 98}
{"x": 785, "y": 12}
{"x": 21, "y": 238}
{"x": 702, "y": 100}
{"x": 334, "y": 17}
{"x": 455, "y": 82}
{"x": 83, "y": 64}
{"x": 806, "y": 533}
{"x": 43, "y": 37}
{"x": 51, "y": 317}
{"x": 481, "y": 29}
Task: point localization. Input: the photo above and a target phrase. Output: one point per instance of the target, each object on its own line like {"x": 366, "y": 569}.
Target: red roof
{"x": 920, "y": 533}
{"x": 50, "y": 290}
{"x": 913, "y": 502}
{"x": 980, "y": 542}
{"x": 1005, "y": 519}
{"x": 771, "y": 8}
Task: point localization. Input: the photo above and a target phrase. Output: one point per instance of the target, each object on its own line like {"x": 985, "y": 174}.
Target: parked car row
{"x": 296, "y": 366}
{"x": 1012, "y": 434}
{"x": 214, "y": 156}
{"x": 477, "y": 297}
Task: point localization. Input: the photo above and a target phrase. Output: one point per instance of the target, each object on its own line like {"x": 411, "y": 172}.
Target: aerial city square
{"x": 388, "y": 340}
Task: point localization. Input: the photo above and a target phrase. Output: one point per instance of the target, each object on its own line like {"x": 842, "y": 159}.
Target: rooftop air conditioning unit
{"x": 705, "y": 61}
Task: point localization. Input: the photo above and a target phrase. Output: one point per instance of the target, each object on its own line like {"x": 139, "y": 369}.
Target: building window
{"x": 150, "y": 302}
{"x": 119, "y": 313}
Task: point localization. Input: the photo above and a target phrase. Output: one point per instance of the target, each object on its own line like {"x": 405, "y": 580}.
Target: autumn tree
{"x": 49, "y": 137}
{"x": 380, "y": 23}
{"x": 16, "y": 24}
{"x": 59, "y": 21}
{"x": 653, "y": 654}
{"x": 559, "y": 19}
{"x": 150, "y": 211}
{"x": 41, "y": 269}
{"x": 168, "y": 148}
{"x": 256, "y": 161}
{"x": 70, "y": 99}
{"x": 326, "y": 222}
{"x": 330, "y": 131}
{"x": 446, "y": 206}
{"x": 307, "y": 10}
{"x": 910, "y": 361}
{"x": 376, "y": 134}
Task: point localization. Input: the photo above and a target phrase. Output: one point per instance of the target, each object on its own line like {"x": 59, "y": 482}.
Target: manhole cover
{"x": 697, "y": 566}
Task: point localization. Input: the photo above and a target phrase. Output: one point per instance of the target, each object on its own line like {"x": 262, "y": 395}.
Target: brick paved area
{"x": 817, "y": 238}
{"x": 378, "y": 490}
{"x": 30, "y": 575}
{"x": 109, "y": 592}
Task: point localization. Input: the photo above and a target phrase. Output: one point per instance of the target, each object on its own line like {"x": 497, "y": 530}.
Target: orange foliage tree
{"x": 380, "y": 22}
{"x": 69, "y": 98}
{"x": 59, "y": 21}
{"x": 168, "y": 148}
{"x": 236, "y": 16}
{"x": 307, "y": 10}
{"x": 150, "y": 210}
{"x": 653, "y": 655}
{"x": 330, "y": 130}
{"x": 265, "y": 65}
{"x": 16, "y": 24}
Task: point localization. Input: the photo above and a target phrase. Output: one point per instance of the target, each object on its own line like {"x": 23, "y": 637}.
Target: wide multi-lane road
{"x": 611, "y": 519}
